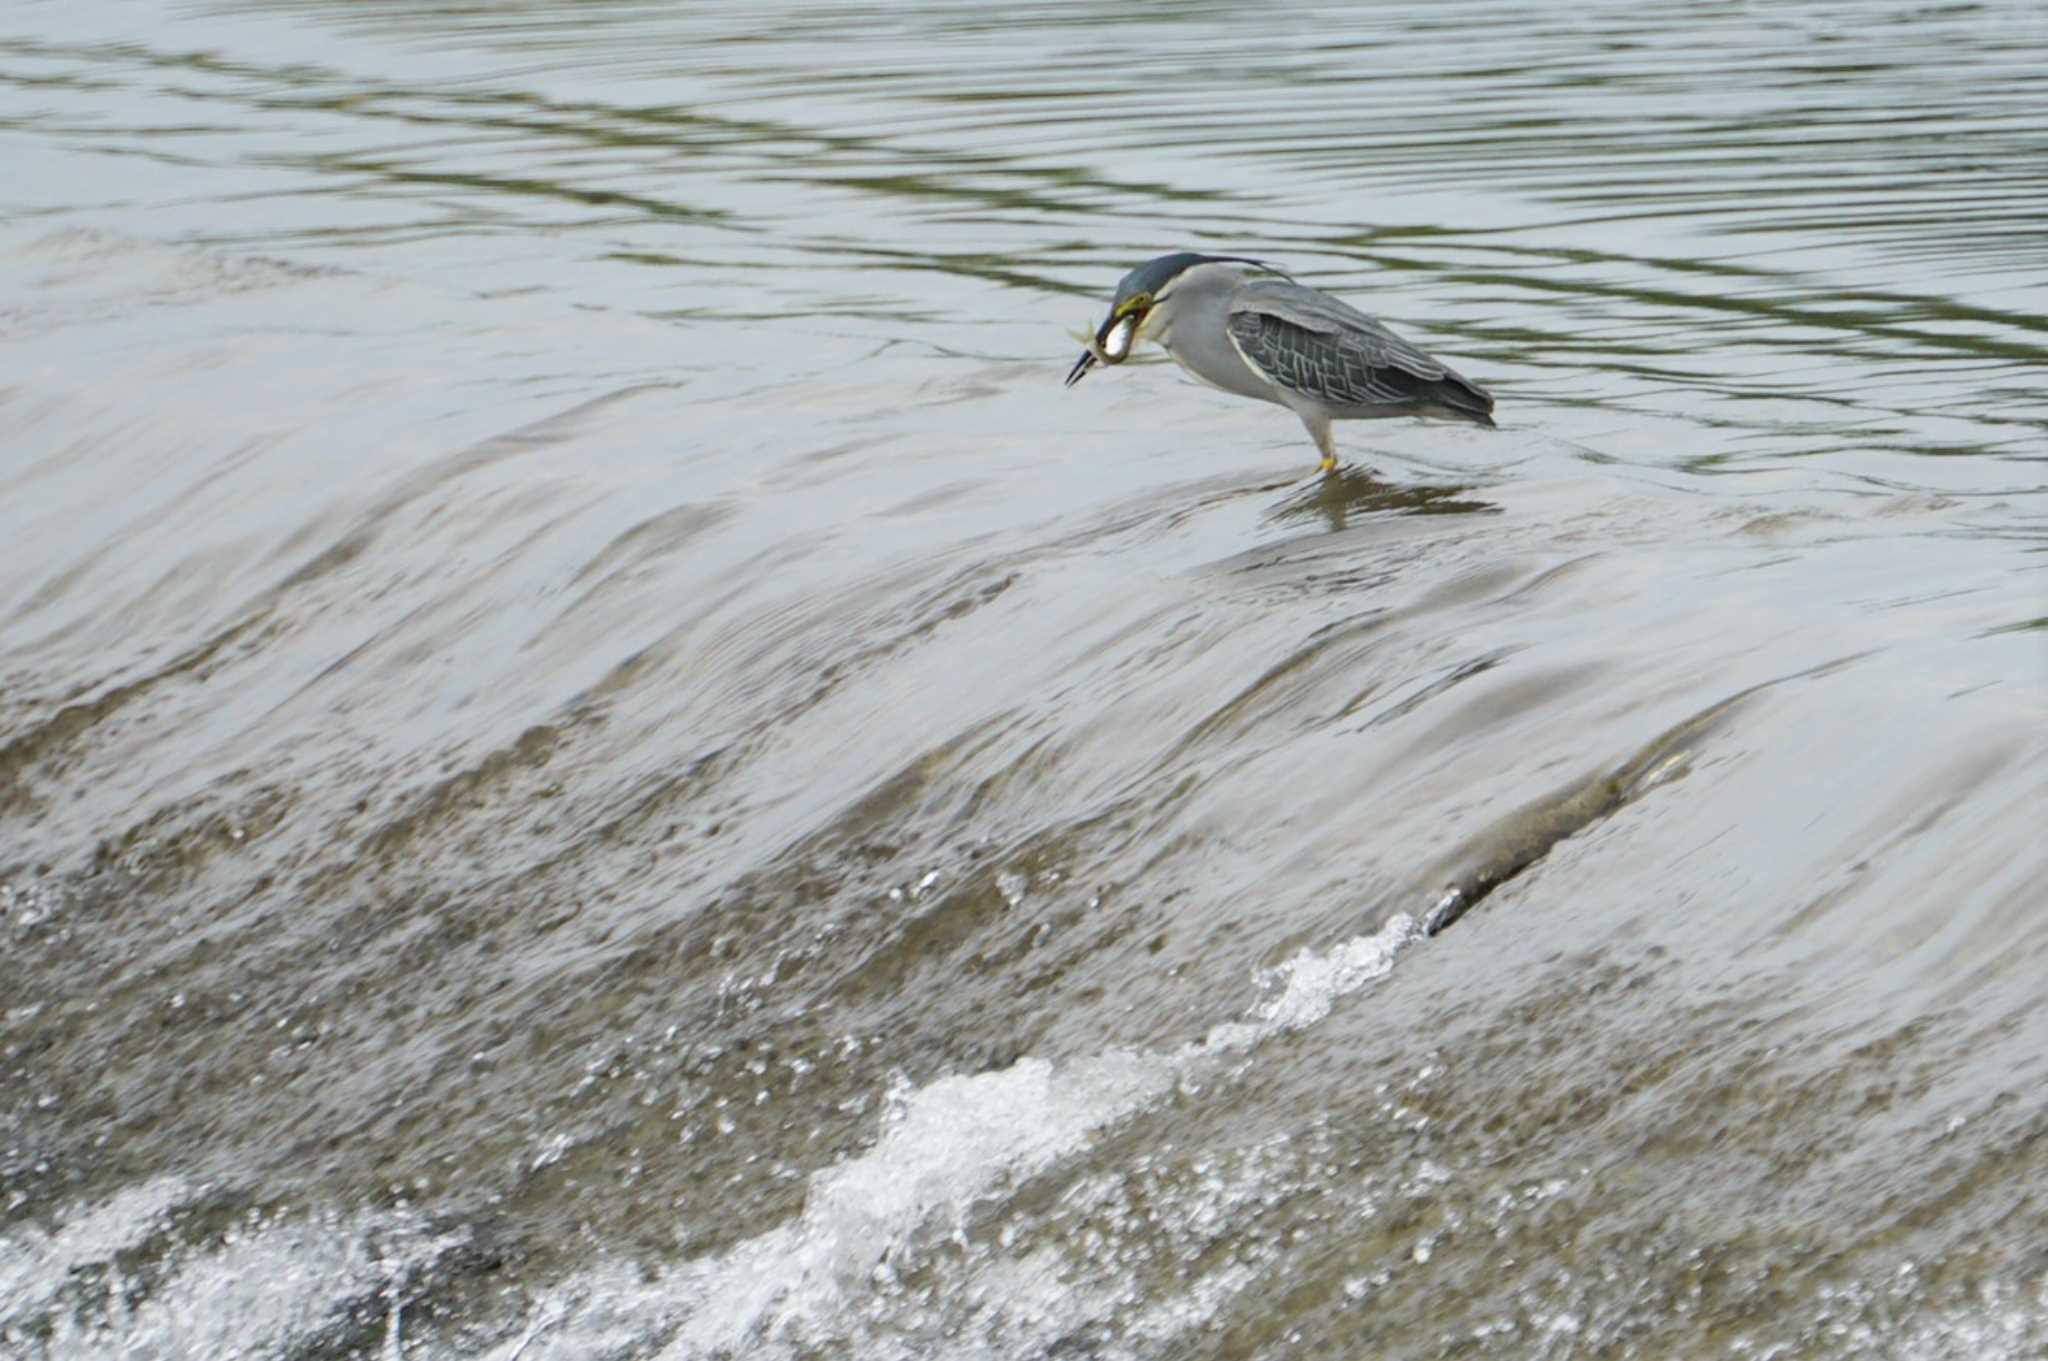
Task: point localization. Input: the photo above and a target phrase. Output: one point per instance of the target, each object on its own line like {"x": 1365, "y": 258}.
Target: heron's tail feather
{"x": 1465, "y": 400}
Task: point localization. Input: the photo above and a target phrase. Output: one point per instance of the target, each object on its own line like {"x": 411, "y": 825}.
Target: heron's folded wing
{"x": 1326, "y": 349}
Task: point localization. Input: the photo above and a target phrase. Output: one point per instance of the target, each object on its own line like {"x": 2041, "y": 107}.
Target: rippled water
{"x": 596, "y": 762}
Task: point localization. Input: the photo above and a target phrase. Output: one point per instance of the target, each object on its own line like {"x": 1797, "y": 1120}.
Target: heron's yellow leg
{"x": 1319, "y": 430}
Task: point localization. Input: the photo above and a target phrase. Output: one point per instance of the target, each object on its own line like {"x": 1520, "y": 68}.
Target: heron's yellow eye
{"x": 1136, "y": 303}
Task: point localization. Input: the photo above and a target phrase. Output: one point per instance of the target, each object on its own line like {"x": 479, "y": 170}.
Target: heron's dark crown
{"x": 1153, "y": 276}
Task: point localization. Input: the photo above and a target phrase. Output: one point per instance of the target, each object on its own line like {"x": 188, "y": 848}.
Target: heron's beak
{"x": 1110, "y": 345}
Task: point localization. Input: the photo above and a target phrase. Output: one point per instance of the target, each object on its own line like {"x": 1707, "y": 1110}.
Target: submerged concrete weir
{"x": 1525, "y": 836}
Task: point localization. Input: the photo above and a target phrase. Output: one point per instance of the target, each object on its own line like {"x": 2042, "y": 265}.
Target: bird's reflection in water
{"x": 1355, "y": 491}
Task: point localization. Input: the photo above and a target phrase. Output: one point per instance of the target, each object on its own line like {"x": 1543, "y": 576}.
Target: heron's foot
{"x": 1329, "y": 465}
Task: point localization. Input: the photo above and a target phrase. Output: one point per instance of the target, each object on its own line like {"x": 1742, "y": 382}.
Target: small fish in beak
{"x": 1116, "y": 345}
{"x": 1110, "y": 345}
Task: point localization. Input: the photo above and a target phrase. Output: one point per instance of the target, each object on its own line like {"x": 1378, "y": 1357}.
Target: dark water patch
{"x": 39, "y": 752}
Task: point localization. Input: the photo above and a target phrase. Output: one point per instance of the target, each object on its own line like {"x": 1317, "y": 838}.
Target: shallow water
{"x": 596, "y": 761}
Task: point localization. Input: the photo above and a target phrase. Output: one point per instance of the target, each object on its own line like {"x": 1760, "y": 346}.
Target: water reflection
{"x": 1716, "y": 215}
{"x": 1353, "y": 490}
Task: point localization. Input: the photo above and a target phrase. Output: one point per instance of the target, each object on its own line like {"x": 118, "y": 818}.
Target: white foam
{"x": 262, "y": 1287}
{"x": 35, "y": 1266}
{"x": 1310, "y": 984}
{"x": 943, "y": 1149}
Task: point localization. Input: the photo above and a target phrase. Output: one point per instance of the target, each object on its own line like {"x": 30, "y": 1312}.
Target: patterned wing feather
{"x": 1323, "y": 348}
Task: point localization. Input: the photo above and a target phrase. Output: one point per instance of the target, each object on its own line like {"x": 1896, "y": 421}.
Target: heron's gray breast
{"x": 1208, "y": 354}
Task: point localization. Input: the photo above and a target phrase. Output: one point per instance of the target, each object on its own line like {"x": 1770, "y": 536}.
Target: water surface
{"x": 596, "y": 761}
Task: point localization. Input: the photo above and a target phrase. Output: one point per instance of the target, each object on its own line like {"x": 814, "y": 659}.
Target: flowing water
{"x": 597, "y": 762}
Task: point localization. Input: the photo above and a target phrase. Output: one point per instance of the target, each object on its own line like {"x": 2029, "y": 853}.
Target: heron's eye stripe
{"x": 1134, "y": 304}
